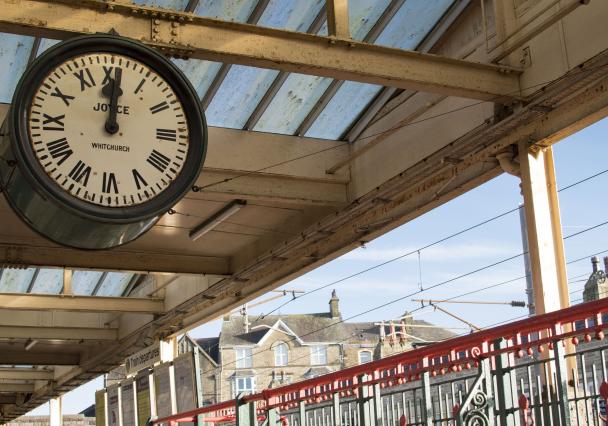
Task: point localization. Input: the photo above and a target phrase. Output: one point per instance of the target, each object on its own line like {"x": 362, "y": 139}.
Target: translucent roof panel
{"x": 300, "y": 93}
{"x": 114, "y": 284}
{"x": 45, "y": 43}
{"x": 14, "y": 54}
{"x": 48, "y": 281}
{"x": 406, "y": 30}
{"x": 84, "y": 282}
{"x": 16, "y": 280}
{"x": 202, "y": 73}
{"x": 165, "y": 4}
{"x": 244, "y": 87}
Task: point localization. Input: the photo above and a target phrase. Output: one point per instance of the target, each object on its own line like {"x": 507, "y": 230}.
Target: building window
{"x": 365, "y": 356}
{"x": 318, "y": 355}
{"x": 243, "y": 357}
{"x": 244, "y": 384}
{"x": 281, "y": 354}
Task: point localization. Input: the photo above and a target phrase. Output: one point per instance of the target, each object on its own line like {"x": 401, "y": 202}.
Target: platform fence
{"x": 549, "y": 369}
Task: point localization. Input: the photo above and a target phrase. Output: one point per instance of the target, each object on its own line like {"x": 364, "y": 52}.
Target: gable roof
{"x": 210, "y": 345}
{"x": 310, "y": 328}
{"x": 315, "y": 328}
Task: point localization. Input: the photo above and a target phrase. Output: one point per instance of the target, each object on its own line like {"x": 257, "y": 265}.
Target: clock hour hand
{"x": 112, "y": 90}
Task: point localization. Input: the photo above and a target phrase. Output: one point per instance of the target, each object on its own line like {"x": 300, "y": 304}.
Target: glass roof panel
{"x": 114, "y": 284}
{"x": 84, "y": 282}
{"x": 14, "y": 54}
{"x": 165, "y": 4}
{"x": 45, "y": 43}
{"x": 244, "y": 87}
{"x": 16, "y": 280}
{"x": 202, "y": 73}
{"x": 300, "y": 93}
{"x": 406, "y": 30}
{"x": 227, "y": 10}
{"x": 48, "y": 281}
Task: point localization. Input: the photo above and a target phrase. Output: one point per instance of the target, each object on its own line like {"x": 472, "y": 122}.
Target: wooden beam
{"x": 22, "y": 357}
{"x": 17, "y": 387}
{"x": 57, "y": 333}
{"x": 337, "y": 18}
{"x": 231, "y": 42}
{"x": 50, "y": 302}
{"x": 25, "y": 374}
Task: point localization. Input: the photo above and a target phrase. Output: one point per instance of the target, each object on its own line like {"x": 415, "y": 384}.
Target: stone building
{"x": 257, "y": 352}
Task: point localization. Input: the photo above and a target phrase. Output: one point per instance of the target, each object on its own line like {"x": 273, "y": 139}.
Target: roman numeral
{"x": 166, "y": 134}
{"x": 109, "y": 183}
{"x": 85, "y": 80}
{"x": 160, "y": 107}
{"x": 158, "y": 160}
{"x": 48, "y": 119}
{"x": 80, "y": 172}
{"x": 139, "y": 86}
{"x": 65, "y": 98}
{"x": 139, "y": 179}
{"x": 107, "y": 74}
{"x": 59, "y": 149}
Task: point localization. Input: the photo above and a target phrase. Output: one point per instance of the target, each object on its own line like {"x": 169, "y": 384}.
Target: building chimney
{"x": 334, "y": 305}
{"x": 606, "y": 264}
{"x": 594, "y": 263}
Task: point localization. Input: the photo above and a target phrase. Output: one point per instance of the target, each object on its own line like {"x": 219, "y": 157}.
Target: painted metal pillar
{"x": 427, "y": 408}
{"x": 245, "y": 412}
{"x": 55, "y": 413}
{"x": 545, "y": 240}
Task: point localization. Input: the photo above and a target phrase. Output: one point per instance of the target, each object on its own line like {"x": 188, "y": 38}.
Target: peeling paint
{"x": 14, "y": 54}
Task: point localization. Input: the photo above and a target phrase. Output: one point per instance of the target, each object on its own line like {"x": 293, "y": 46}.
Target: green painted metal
{"x": 506, "y": 388}
{"x": 245, "y": 412}
{"x": 363, "y": 403}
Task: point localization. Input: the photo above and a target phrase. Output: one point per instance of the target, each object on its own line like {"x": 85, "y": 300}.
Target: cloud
{"x": 436, "y": 253}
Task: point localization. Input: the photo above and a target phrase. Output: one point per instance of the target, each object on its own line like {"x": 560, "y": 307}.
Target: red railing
{"x": 521, "y": 337}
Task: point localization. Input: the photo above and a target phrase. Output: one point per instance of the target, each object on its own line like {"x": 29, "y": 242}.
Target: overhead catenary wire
{"x": 434, "y": 243}
{"x": 401, "y": 298}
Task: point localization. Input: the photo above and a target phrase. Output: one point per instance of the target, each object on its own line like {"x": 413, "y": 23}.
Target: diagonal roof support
{"x": 255, "y": 16}
{"x": 387, "y": 92}
{"x": 250, "y": 45}
{"x": 335, "y": 85}
{"x": 281, "y": 77}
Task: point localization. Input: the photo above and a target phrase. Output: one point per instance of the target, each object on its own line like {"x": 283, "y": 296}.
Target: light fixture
{"x": 217, "y": 218}
{"x": 30, "y": 344}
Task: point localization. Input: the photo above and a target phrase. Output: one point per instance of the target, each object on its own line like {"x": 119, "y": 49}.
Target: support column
{"x": 55, "y": 413}
{"x": 545, "y": 240}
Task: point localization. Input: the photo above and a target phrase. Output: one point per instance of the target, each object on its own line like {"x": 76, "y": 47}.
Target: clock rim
{"x": 30, "y": 165}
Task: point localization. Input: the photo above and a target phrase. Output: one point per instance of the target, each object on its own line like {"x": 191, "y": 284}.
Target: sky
{"x": 577, "y": 157}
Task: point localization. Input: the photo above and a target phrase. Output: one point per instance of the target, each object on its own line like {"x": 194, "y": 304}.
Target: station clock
{"x": 103, "y": 136}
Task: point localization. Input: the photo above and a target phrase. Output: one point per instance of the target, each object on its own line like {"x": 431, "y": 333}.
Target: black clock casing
{"x": 49, "y": 209}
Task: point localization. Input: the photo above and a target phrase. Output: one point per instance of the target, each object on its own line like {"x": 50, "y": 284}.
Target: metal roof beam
{"x": 249, "y": 45}
{"x": 21, "y": 357}
{"x": 100, "y": 281}
{"x": 17, "y": 387}
{"x": 51, "y": 302}
{"x": 26, "y": 374}
{"x": 425, "y": 46}
{"x": 255, "y": 16}
{"x": 57, "y": 333}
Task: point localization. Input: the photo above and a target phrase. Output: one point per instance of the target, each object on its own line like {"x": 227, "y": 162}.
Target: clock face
{"x": 108, "y": 130}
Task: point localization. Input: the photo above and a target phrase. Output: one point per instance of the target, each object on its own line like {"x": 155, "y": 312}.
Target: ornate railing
{"x": 550, "y": 369}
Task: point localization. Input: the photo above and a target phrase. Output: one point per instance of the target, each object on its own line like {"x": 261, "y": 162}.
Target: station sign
{"x": 145, "y": 358}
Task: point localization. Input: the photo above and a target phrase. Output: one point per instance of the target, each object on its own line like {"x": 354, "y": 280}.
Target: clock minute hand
{"x": 113, "y": 91}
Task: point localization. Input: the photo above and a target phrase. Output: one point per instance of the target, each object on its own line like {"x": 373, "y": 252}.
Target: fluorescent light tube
{"x": 217, "y": 218}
